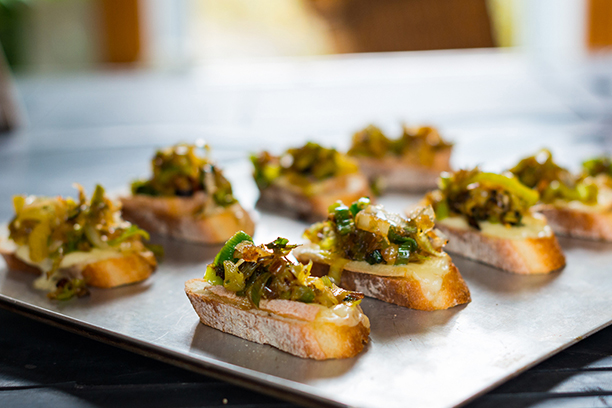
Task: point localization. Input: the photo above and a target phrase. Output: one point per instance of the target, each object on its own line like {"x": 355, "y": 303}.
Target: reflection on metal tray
{"x": 415, "y": 358}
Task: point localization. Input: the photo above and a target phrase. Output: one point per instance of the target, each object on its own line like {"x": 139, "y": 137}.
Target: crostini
{"x": 388, "y": 257}
{"x": 410, "y": 163}
{"x": 574, "y": 205}
{"x": 303, "y": 182}
{"x": 75, "y": 244}
{"x": 256, "y": 293}
{"x": 489, "y": 218}
{"x": 187, "y": 198}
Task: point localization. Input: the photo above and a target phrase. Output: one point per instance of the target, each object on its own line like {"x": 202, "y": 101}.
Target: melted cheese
{"x": 430, "y": 274}
{"x": 534, "y": 226}
{"x": 343, "y": 315}
{"x": 73, "y": 258}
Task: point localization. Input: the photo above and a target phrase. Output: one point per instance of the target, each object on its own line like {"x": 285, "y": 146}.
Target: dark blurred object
{"x": 600, "y": 24}
{"x": 12, "y": 14}
{"x": 121, "y": 30}
{"x": 406, "y": 25}
{"x": 10, "y": 116}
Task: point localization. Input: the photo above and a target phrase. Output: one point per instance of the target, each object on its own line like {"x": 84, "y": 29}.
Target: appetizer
{"x": 256, "y": 293}
{"x": 411, "y": 163}
{"x": 76, "y": 243}
{"x": 398, "y": 260}
{"x": 490, "y": 218}
{"x": 576, "y": 206}
{"x": 305, "y": 181}
{"x": 187, "y": 198}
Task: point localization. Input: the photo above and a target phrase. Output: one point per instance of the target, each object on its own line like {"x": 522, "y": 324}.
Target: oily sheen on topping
{"x": 534, "y": 226}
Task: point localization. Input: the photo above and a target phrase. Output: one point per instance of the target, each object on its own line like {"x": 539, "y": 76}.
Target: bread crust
{"x": 396, "y": 174}
{"x": 296, "y": 330}
{"x": 576, "y": 223}
{"x": 173, "y": 217}
{"x": 107, "y": 273}
{"x": 405, "y": 292}
{"x": 522, "y": 256}
{"x": 294, "y": 203}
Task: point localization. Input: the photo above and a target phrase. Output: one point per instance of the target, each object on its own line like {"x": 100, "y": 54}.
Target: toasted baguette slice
{"x": 173, "y": 217}
{"x": 305, "y": 330}
{"x": 433, "y": 285}
{"x": 578, "y": 222}
{"x": 292, "y": 201}
{"x": 531, "y": 249}
{"x": 396, "y": 174}
{"x": 107, "y": 273}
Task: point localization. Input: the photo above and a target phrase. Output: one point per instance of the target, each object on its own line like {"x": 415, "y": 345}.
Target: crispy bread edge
{"x": 526, "y": 256}
{"x": 579, "y": 224}
{"x": 310, "y": 209}
{"x": 108, "y": 273}
{"x": 159, "y": 219}
{"x": 317, "y": 340}
{"x": 403, "y": 291}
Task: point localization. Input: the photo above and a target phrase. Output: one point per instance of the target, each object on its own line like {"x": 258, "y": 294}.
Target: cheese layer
{"x": 340, "y": 315}
{"x": 534, "y": 226}
{"x": 71, "y": 259}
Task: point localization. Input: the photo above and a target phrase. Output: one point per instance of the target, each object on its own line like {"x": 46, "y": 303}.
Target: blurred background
{"x": 123, "y": 77}
{"x": 60, "y": 35}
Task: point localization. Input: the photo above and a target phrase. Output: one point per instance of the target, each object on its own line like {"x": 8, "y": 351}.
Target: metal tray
{"x": 415, "y": 358}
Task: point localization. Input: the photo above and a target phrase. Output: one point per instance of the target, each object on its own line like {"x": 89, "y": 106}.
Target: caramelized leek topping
{"x": 596, "y": 166}
{"x": 480, "y": 196}
{"x": 302, "y": 166}
{"x": 264, "y": 272}
{"x": 365, "y": 232}
{"x": 180, "y": 171}
{"x": 554, "y": 182}
{"x": 55, "y": 227}
{"x": 418, "y": 145}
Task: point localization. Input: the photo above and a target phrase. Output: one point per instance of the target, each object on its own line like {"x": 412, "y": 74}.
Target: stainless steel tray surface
{"x": 414, "y": 358}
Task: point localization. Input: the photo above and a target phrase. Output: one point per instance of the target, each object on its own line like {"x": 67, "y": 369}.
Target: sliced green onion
{"x": 211, "y": 276}
{"x": 403, "y": 253}
{"x": 442, "y": 210}
{"x": 227, "y": 252}
{"x": 374, "y": 257}
{"x": 234, "y": 279}
{"x": 359, "y": 205}
{"x": 344, "y": 219}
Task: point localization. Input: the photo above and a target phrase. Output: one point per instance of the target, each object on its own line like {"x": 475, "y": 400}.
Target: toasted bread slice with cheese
{"x": 283, "y": 198}
{"x": 579, "y": 221}
{"x": 73, "y": 244}
{"x": 529, "y": 249}
{"x": 431, "y": 285}
{"x": 303, "y": 182}
{"x": 107, "y": 273}
{"x": 302, "y": 329}
{"x": 578, "y": 206}
{"x": 178, "y": 217}
{"x": 489, "y": 218}
{"x": 411, "y": 163}
{"x": 187, "y": 198}
{"x": 385, "y": 256}
{"x": 256, "y": 293}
